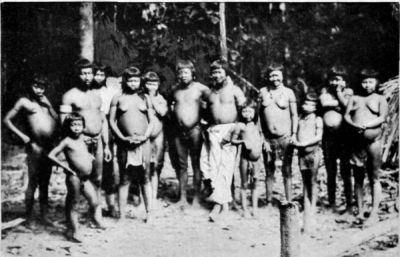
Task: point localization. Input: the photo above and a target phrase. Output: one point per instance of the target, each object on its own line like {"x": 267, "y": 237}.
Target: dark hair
{"x": 250, "y": 104}
{"x": 274, "y": 66}
{"x": 97, "y": 66}
{"x": 129, "y": 73}
{"x": 337, "y": 70}
{"x": 311, "y": 97}
{"x": 151, "y": 76}
{"x": 219, "y": 64}
{"x": 73, "y": 116}
{"x": 369, "y": 73}
{"x": 186, "y": 64}
{"x": 82, "y": 64}
{"x": 40, "y": 79}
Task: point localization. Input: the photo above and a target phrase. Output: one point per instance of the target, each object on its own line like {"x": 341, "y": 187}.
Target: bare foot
{"x": 255, "y": 213}
{"x": 76, "y": 238}
{"x": 214, "y": 213}
{"x": 46, "y": 221}
{"x": 148, "y": 218}
{"x": 246, "y": 214}
{"x": 30, "y": 224}
{"x": 183, "y": 204}
{"x": 372, "y": 220}
{"x": 196, "y": 203}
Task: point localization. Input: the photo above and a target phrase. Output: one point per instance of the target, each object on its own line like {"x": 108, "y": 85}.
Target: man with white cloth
{"x": 218, "y": 156}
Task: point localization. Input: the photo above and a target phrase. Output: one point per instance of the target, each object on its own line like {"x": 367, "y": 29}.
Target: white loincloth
{"x": 218, "y": 162}
{"x": 134, "y": 156}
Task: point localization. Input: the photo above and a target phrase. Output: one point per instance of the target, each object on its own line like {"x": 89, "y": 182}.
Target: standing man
{"x": 334, "y": 99}
{"x": 218, "y": 159}
{"x": 278, "y": 116}
{"x": 86, "y": 101}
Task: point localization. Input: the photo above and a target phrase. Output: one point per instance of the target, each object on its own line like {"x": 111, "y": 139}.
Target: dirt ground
{"x": 174, "y": 232}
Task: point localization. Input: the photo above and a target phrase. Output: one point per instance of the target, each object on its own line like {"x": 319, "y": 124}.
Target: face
{"x": 76, "y": 127}
{"x": 369, "y": 85}
{"x": 99, "y": 77}
{"x": 133, "y": 83}
{"x": 86, "y": 76}
{"x": 309, "y": 107}
{"x": 276, "y": 77}
{"x": 248, "y": 113}
{"x": 218, "y": 75}
{"x": 337, "y": 81}
{"x": 38, "y": 90}
{"x": 185, "y": 75}
{"x": 152, "y": 86}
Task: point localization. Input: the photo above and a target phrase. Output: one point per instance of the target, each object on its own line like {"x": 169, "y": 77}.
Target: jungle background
{"x": 306, "y": 37}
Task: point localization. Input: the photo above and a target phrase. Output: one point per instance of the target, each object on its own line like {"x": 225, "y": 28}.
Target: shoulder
{"x": 348, "y": 91}
{"x": 70, "y": 94}
{"x": 324, "y": 90}
{"x": 116, "y": 99}
{"x": 22, "y": 102}
{"x": 290, "y": 93}
{"x": 318, "y": 121}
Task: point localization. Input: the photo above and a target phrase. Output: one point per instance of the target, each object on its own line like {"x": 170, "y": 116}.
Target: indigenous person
{"x": 365, "y": 113}
{"x": 159, "y": 106}
{"x": 110, "y": 179}
{"x": 278, "y": 117}
{"x": 86, "y": 101}
{"x": 333, "y": 100}
{"x": 78, "y": 171}
{"x": 248, "y": 135}
{"x": 131, "y": 120}
{"x": 41, "y": 119}
{"x": 186, "y": 107}
{"x": 218, "y": 161}
{"x": 309, "y": 136}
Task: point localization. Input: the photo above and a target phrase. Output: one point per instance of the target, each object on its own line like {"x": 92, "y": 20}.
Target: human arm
{"x": 45, "y": 102}
{"x": 383, "y": 112}
{"x": 159, "y": 105}
{"x": 347, "y": 116}
{"x": 56, "y": 151}
{"x": 65, "y": 107}
{"x": 343, "y": 94}
{"x": 293, "y": 114}
{"x": 318, "y": 135}
{"x": 113, "y": 121}
{"x": 327, "y": 100}
{"x": 105, "y": 137}
{"x": 239, "y": 98}
{"x": 19, "y": 106}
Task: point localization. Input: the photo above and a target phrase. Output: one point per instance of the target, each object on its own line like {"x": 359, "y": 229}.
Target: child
{"x": 248, "y": 135}
{"x": 41, "y": 119}
{"x": 309, "y": 136}
{"x": 110, "y": 178}
{"x": 366, "y": 113}
{"x": 78, "y": 171}
{"x": 132, "y": 124}
{"x": 187, "y": 108}
{"x": 159, "y": 106}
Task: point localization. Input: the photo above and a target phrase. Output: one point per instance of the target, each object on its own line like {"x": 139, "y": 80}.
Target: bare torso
{"x": 132, "y": 115}
{"x": 333, "y": 115}
{"x": 275, "y": 112}
{"x": 87, "y": 104}
{"x": 78, "y": 156}
{"x": 157, "y": 124}
{"x": 41, "y": 124}
{"x": 307, "y": 131}
{"x": 187, "y": 105}
{"x": 252, "y": 140}
{"x": 223, "y": 104}
{"x": 364, "y": 110}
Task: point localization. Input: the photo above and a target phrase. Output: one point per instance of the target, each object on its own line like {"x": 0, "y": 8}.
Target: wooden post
{"x": 290, "y": 230}
{"x": 86, "y": 31}
{"x": 222, "y": 30}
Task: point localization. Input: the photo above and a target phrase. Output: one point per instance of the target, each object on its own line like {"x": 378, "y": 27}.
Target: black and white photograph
{"x": 174, "y": 129}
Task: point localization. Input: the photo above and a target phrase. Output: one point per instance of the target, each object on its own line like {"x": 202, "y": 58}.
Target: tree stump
{"x": 290, "y": 230}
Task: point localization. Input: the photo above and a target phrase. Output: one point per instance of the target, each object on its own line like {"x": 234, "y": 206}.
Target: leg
{"x": 373, "y": 166}
{"x": 109, "y": 183}
{"x": 269, "y": 164}
{"x": 183, "y": 151}
{"x": 243, "y": 179}
{"x": 91, "y": 195}
{"x": 44, "y": 179}
{"x": 195, "y": 144}
{"x": 331, "y": 170}
{"x": 71, "y": 207}
{"x": 125, "y": 180}
{"x": 306, "y": 175}
{"x": 98, "y": 168}
{"x": 359, "y": 174}
{"x": 215, "y": 212}
{"x": 345, "y": 172}
{"x": 158, "y": 144}
{"x": 287, "y": 169}
{"x": 33, "y": 181}
{"x": 145, "y": 183}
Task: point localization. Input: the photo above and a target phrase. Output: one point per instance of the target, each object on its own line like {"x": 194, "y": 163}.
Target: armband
{"x": 65, "y": 108}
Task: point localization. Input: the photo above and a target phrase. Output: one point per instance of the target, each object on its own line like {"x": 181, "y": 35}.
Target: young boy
{"x": 335, "y": 142}
{"x": 366, "y": 113}
{"x": 186, "y": 108}
{"x": 159, "y": 106}
{"x": 78, "y": 171}
{"x": 107, "y": 91}
{"x": 41, "y": 120}
{"x": 248, "y": 135}
{"x": 218, "y": 162}
{"x": 279, "y": 125}
{"x": 131, "y": 120}
{"x": 309, "y": 136}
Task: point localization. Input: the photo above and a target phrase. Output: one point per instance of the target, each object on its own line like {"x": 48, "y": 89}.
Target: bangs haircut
{"x": 151, "y": 76}
{"x": 82, "y": 64}
{"x": 97, "y": 66}
{"x": 186, "y": 64}
{"x": 129, "y": 73}
{"x": 337, "y": 70}
{"x": 253, "y": 105}
{"x": 219, "y": 64}
{"x": 40, "y": 79}
{"x": 73, "y": 116}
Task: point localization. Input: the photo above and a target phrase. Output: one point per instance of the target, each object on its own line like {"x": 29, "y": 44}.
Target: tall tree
{"x": 86, "y": 31}
{"x": 222, "y": 29}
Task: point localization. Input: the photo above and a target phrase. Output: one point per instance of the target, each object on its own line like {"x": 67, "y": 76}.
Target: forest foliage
{"x": 306, "y": 37}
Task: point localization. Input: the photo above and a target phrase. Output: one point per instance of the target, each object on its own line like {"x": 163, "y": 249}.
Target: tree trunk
{"x": 86, "y": 31}
{"x": 222, "y": 29}
{"x": 290, "y": 230}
